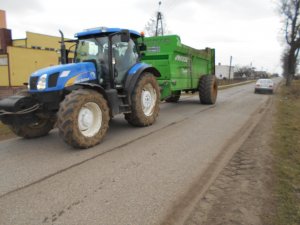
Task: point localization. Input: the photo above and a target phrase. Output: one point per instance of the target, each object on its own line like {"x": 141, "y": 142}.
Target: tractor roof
{"x": 103, "y": 30}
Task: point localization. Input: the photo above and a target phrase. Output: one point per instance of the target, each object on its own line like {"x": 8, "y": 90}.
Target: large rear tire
{"x": 144, "y": 101}
{"x": 208, "y": 89}
{"x": 83, "y": 118}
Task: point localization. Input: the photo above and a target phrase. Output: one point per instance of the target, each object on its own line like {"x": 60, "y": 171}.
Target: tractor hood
{"x": 56, "y": 78}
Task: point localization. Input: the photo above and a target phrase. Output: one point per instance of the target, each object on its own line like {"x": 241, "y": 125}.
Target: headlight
{"x": 41, "y": 85}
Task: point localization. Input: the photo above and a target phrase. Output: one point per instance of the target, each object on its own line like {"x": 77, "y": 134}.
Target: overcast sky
{"x": 249, "y": 31}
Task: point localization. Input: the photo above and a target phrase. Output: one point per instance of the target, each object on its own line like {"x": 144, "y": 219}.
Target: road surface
{"x": 141, "y": 176}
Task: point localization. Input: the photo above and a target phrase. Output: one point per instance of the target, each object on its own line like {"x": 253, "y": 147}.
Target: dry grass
{"x": 4, "y": 130}
{"x": 286, "y": 145}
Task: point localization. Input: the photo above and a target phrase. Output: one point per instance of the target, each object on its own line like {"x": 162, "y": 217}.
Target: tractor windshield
{"x": 92, "y": 49}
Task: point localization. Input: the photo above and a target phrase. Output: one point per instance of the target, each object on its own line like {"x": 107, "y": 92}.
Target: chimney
{"x": 2, "y": 19}
{"x": 5, "y": 34}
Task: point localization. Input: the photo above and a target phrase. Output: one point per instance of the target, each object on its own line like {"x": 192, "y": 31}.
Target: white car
{"x": 264, "y": 85}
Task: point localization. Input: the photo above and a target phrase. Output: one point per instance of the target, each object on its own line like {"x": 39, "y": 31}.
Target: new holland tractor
{"x": 114, "y": 71}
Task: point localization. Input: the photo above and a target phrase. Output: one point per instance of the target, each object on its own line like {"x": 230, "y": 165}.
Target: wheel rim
{"x": 89, "y": 119}
{"x": 148, "y": 99}
{"x": 38, "y": 124}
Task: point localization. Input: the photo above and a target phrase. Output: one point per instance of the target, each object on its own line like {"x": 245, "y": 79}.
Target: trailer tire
{"x": 83, "y": 118}
{"x": 208, "y": 89}
{"x": 174, "y": 98}
{"x": 144, "y": 101}
{"x": 33, "y": 130}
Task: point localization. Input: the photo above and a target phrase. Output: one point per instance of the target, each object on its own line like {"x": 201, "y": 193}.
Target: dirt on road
{"x": 242, "y": 192}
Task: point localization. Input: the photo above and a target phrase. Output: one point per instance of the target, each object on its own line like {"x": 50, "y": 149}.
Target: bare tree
{"x": 290, "y": 10}
{"x": 244, "y": 71}
{"x": 150, "y": 27}
{"x": 156, "y": 26}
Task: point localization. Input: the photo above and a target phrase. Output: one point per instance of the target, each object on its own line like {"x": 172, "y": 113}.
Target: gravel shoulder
{"x": 241, "y": 192}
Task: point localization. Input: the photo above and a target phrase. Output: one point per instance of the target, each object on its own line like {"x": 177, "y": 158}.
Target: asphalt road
{"x": 136, "y": 176}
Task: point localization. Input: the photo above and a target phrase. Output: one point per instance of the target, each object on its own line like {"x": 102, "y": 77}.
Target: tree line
{"x": 289, "y": 10}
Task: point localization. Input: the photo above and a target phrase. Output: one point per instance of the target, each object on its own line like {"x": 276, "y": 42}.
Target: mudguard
{"x": 134, "y": 74}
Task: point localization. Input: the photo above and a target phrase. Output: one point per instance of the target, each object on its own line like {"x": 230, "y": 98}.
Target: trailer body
{"x": 180, "y": 66}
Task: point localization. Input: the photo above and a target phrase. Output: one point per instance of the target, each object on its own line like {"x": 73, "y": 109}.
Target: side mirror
{"x": 125, "y": 36}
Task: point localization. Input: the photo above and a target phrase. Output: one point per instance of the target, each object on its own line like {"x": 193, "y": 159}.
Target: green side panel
{"x": 180, "y": 66}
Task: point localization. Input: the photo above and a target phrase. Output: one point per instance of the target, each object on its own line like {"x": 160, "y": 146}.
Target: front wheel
{"x": 144, "y": 101}
{"x": 39, "y": 128}
{"x": 83, "y": 118}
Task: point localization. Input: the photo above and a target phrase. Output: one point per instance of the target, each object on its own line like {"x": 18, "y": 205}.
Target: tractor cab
{"x": 112, "y": 51}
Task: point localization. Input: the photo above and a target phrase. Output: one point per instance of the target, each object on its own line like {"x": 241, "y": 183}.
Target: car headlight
{"x": 41, "y": 85}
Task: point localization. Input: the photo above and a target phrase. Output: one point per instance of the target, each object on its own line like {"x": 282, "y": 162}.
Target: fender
{"x": 93, "y": 86}
{"x": 134, "y": 74}
{"x": 111, "y": 95}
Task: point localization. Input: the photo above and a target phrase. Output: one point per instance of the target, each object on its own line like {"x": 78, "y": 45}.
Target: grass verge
{"x": 4, "y": 131}
{"x": 286, "y": 147}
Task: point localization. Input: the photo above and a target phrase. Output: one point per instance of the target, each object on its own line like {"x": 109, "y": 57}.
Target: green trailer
{"x": 182, "y": 68}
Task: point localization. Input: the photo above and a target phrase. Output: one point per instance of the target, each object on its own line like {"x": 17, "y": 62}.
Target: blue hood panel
{"x": 80, "y": 72}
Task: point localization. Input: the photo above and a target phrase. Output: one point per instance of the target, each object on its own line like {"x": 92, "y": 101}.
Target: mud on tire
{"x": 144, "y": 101}
{"x": 83, "y": 118}
{"x": 208, "y": 89}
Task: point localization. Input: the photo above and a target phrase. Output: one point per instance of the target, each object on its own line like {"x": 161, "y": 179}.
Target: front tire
{"x": 39, "y": 128}
{"x": 33, "y": 130}
{"x": 83, "y": 118}
{"x": 144, "y": 101}
{"x": 208, "y": 89}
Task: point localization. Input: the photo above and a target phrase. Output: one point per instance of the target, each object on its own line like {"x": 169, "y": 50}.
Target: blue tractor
{"x": 106, "y": 78}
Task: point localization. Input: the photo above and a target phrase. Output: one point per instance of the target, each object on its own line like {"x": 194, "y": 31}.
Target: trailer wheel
{"x": 83, "y": 118}
{"x": 208, "y": 89}
{"x": 174, "y": 97}
{"x": 145, "y": 101}
{"x": 33, "y": 130}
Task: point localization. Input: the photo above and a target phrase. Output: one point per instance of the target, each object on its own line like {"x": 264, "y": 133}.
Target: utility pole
{"x": 159, "y": 22}
{"x": 230, "y": 67}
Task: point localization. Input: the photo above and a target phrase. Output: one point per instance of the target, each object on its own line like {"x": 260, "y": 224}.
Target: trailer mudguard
{"x": 134, "y": 74}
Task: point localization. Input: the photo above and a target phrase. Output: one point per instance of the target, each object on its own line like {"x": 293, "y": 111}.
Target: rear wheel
{"x": 83, "y": 118}
{"x": 208, "y": 89}
{"x": 144, "y": 101}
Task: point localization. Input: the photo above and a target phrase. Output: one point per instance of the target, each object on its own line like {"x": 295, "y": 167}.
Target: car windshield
{"x": 91, "y": 49}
